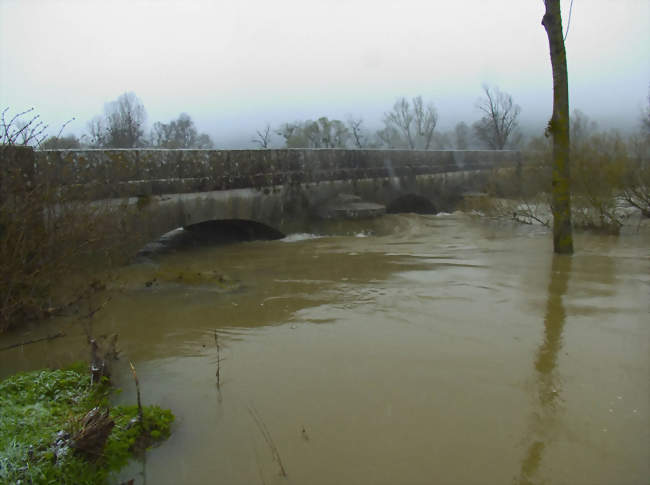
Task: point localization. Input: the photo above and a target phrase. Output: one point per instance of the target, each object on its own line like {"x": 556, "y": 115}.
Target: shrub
{"x": 608, "y": 175}
{"x": 52, "y": 238}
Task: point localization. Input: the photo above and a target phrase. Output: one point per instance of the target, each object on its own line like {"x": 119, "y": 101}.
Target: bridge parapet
{"x": 130, "y": 172}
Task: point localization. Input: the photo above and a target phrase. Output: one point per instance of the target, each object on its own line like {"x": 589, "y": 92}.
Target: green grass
{"x": 36, "y": 406}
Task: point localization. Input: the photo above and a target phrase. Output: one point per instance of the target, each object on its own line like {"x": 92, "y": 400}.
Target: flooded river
{"x": 410, "y": 350}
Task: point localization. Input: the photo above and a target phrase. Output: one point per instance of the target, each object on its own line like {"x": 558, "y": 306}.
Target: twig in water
{"x": 531, "y": 214}
{"x": 267, "y": 437}
{"x": 259, "y": 465}
{"x": 137, "y": 388}
{"x": 20, "y": 344}
{"x": 216, "y": 341}
{"x": 87, "y": 321}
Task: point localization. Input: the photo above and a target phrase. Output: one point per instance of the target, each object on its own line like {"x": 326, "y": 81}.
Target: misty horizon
{"x": 234, "y": 68}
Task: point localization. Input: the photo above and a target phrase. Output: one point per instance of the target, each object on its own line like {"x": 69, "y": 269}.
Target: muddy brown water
{"x": 410, "y": 350}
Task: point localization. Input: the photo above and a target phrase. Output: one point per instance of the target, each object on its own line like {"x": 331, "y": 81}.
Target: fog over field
{"x": 235, "y": 66}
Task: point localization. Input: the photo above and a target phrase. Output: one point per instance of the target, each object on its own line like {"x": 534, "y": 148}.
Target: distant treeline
{"x": 409, "y": 124}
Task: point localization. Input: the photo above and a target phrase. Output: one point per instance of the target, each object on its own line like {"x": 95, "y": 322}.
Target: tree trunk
{"x": 558, "y": 127}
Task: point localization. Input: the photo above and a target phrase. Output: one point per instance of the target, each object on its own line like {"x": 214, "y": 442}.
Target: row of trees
{"x": 410, "y": 124}
{"x": 123, "y": 126}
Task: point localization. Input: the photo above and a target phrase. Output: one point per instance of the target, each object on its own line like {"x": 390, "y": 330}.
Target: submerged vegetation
{"x": 610, "y": 179}
{"x": 58, "y": 428}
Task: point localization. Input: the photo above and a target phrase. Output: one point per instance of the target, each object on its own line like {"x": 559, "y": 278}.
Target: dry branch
{"x": 137, "y": 388}
{"x": 219, "y": 359}
{"x": 48, "y": 338}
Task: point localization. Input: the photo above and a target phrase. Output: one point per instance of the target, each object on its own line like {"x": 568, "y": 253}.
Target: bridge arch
{"x": 411, "y": 202}
{"x": 231, "y": 230}
{"x": 210, "y": 233}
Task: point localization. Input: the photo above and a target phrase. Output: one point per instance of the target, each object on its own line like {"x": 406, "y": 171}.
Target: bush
{"x": 609, "y": 174}
{"x": 52, "y": 240}
{"x": 636, "y": 178}
{"x": 598, "y": 165}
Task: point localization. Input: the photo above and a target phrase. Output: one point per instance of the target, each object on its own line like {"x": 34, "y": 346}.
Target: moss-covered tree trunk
{"x": 558, "y": 127}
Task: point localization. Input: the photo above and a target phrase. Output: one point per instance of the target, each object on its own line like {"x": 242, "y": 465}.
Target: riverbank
{"x": 57, "y": 427}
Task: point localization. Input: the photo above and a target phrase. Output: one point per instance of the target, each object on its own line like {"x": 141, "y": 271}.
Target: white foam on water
{"x": 300, "y": 236}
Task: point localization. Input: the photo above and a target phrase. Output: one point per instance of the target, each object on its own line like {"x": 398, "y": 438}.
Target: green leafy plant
{"x": 41, "y": 412}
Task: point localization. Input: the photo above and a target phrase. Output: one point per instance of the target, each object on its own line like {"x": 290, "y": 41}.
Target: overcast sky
{"x": 235, "y": 64}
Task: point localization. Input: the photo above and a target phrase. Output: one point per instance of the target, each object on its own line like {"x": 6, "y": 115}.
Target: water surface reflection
{"x": 547, "y": 382}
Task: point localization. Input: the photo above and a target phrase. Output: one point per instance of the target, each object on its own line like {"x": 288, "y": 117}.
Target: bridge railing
{"x": 130, "y": 172}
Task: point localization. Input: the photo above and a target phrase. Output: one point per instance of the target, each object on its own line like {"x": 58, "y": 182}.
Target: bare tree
{"x": 645, "y": 118}
{"x": 334, "y": 133}
{"x": 462, "y": 136}
{"x": 559, "y": 129}
{"x": 122, "y": 125}
{"x": 581, "y": 128}
{"x": 204, "y": 141}
{"x": 636, "y": 190}
{"x": 401, "y": 119}
{"x": 498, "y": 127}
{"x": 97, "y": 136}
{"x": 442, "y": 141}
{"x": 323, "y": 133}
{"x": 179, "y": 133}
{"x": 413, "y": 121}
{"x": 426, "y": 119}
{"x": 292, "y": 134}
{"x": 357, "y": 133}
{"x": 263, "y": 137}
{"x": 162, "y": 135}
{"x": 390, "y": 137}
{"x": 312, "y": 132}
{"x": 24, "y": 128}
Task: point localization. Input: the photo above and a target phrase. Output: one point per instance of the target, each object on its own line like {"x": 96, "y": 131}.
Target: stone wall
{"x": 126, "y": 172}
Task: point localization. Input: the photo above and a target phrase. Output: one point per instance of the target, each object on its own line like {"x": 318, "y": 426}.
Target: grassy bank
{"x": 56, "y": 427}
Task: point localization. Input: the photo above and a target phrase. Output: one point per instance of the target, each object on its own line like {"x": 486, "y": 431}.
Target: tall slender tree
{"x": 558, "y": 128}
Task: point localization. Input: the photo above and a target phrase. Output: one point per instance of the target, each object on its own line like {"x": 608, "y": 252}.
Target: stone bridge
{"x": 280, "y": 188}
